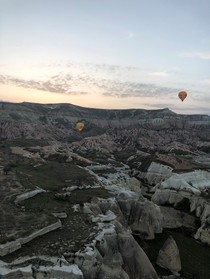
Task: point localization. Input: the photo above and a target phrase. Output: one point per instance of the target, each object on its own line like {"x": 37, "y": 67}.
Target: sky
{"x": 106, "y": 53}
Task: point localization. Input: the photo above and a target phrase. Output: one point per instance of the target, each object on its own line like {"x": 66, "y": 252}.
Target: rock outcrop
{"x": 135, "y": 262}
{"x": 145, "y": 218}
{"x": 194, "y": 182}
{"x": 157, "y": 173}
{"x": 173, "y": 218}
{"x": 169, "y": 257}
{"x": 162, "y": 197}
{"x": 111, "y": 267}
{"x": 12, "y": 273}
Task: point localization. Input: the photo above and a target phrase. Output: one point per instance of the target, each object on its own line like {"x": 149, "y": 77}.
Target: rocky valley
{"x": 128, "y": 197}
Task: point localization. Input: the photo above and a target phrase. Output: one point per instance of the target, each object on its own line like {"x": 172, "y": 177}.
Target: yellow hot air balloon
{"x": 80, "y": 126}
{"x": 182, "y": 95}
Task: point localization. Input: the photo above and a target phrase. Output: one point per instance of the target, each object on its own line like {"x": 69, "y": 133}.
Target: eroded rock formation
{"x": 169, "y": 257}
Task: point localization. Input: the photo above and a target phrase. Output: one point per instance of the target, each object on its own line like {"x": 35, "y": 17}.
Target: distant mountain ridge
{"x": 55, "y": 121}
{"x": 120, "y": 113}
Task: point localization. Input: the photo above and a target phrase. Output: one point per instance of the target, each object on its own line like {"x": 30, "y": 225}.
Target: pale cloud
{"x": 83, "y": 84}
{"x": 204, "y": 55}
{"x": 127, "y": 90}
{"x": 159, "y": 74}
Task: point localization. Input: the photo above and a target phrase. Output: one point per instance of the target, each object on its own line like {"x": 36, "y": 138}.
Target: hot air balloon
{"x": 80, "y": 126}
{"x": 182, "y": 95}
{"x": 157, "y": 123}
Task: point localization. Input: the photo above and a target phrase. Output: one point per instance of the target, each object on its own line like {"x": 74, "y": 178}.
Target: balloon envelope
{"x": 182, "y": 95}
{"x": 158, "y": 122}
{"x": 80, "y": 126}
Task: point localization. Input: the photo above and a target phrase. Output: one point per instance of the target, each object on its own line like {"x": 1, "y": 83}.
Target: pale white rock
{"x": 169, "y": 257}
{"x": 9, "y": 247}
{"x": 71, "y": 188}
{"x": 104, "y": 230}
{"x": 193, "y": 182}
{"x": 116, "y": 182}
{"x": 164, "y": 196}
{"x": 157, "y": 173}
{"x": 9, "y": 273}
{"x": 40, "y": 232}
{"x": 109, "y": 216}
{"x": 28, "y": 195}
{"x": 177, "y": 183}
{"x": 99, "y": 167}
{"x": 88, "y": 253}
{"x": 66, "y": 272}
{"x": 76, "y": 207}
{"x": 87, "y": 208}
{"x": 60, "y": 215}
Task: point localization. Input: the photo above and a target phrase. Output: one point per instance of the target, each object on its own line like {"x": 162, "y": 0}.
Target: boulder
{"x": 145, "y": 218}
{"x": 169, "y": 257}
